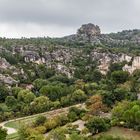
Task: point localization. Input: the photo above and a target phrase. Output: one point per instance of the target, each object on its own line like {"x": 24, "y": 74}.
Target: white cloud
{"x": 33, "y": 30}
{"x": 62, "y": 17}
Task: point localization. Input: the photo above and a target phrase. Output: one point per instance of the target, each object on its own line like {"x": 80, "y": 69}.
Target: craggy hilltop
{"x": 88, "y": 48}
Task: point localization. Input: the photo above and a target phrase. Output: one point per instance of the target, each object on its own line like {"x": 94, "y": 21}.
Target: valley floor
{"x": 122, "y": 132}
{"x": 13, "y": 125}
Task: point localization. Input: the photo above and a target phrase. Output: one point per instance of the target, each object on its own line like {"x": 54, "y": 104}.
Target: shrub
{"x": 40, "y": 120}
{"x": 41, "y": 129}
{"x": 3, "y": 134}
{"x": 97, "y": 125}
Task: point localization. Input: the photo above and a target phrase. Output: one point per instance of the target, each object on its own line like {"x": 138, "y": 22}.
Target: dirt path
{"x": 47, "y": 114}
{"x": 9, "y": 130}
{"x": 80, "y": 123}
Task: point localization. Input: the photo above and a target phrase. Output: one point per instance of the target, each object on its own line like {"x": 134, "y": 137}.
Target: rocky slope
{"x": 66, "y": 60}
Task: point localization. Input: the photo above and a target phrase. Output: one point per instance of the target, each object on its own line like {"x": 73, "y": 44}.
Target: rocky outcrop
{"x": 30, "y": 56}
{"x": 64, "y": 70}
{"x": 88, "y": 31}
{"x": 6, "y": 79}
{"x": 61, "y": 58}
{"x": 4, "y": 64}
{"x": 104, "y": 59}
{"x": 135, "y": 65}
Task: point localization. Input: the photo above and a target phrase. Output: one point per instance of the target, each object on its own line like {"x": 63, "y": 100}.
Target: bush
{"x": 127, "y": 114}
{"x": 51, "y": 124}
{"x": 75, "y": 113}
{"x": 76, "y": 136}
{"x": 78, "y": 96}
{"x": 97, "y": 125}
{"x": 40, "y": 120}
{"x": 137, "y": 127}
{"x": 63, "y": 120}
{"x": 79, "y": 112}
{"x": 41, "y": 129}
{"x": 3, "y": 134}
{"x": 119, "y": 76}
{"x": 72, "y": 116}
{"x": 107, "y": 137}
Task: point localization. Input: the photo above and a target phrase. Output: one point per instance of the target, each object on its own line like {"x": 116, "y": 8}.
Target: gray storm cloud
{"x": 62, "y": 17}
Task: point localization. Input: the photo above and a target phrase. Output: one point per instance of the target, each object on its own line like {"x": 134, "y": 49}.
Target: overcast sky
{"x": 55, "y": 18}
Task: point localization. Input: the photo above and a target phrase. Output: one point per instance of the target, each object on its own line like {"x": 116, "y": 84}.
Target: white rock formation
{"x": 135, "y": 65}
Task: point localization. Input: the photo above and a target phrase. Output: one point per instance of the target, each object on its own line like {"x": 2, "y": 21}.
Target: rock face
{"x": 104, "y": 59}
{"x": 6, "y": 79}
{"x": 135, "y": 65}
{"x": 89, "y": 30}
{"x": 61, "y": 58}
{"x": 30, "y": 56}
{"x": 4, "y": 64}
{"x": 89, "y": 33}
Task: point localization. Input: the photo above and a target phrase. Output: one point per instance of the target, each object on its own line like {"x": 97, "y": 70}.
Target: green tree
{"x": 3, "y": 93}
{"x": 116, "y": 66}
{"x": 72, "y": 116}
{"x": 120, "y": 76}
{"x": 43, "y": 72}
{"x": 96, "y": 76}
{"x": 57, "y": 134}
{"x": 40, "y": 120}
{"x": 15, "y": 91}
{"x": 128, "y": 113}
{"x": 78, "y": 96}
{"x": 36, "y": 137}
{"x": 26, "y": 96}
{"x": 120, "y": 94}
{"x": 23, "y": 132}
{"x": 38, "y": 83}
{"x": 40, "y": 104}
{"x": 54, "y": 92}
{"x": 10, "y": 101}
{"x": 3, "y": 134}
{"x": 97, "y": 125}
{"x": 75, "y": 136}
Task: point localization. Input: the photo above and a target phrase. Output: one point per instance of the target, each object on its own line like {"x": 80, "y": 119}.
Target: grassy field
{"x": 12, "y": 136}
{"x": 122, "y": 132}
{"x": 16, "y": 124}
